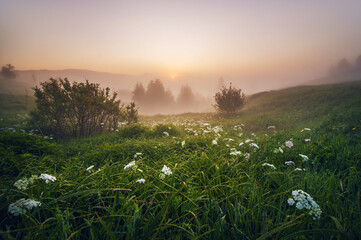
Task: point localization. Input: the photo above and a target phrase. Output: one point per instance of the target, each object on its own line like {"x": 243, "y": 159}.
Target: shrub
{"x": 77, "y": 109}
{"x": 229, "y": 100}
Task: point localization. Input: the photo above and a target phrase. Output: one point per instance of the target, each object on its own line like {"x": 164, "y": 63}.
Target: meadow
{"x": 286, "y": 167}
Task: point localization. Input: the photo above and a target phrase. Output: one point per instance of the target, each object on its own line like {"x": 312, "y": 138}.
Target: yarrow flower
{"x": 131, "y": 164}
{"x": 47, "y": 178}
{"x": 269, "y": 165}
{"x": 304, "y": 201}
{"x": 305, "y": 129}
{"x": 288, "y": 163}
{"x": 307, "y": 140}
{"x": 271, "y": 127}
{"x": 214, "y": 142}
{"x": 165, "y": 172}
{"x": 23, "y": 183}
{"x": 21, "y": 206}
{"x": 183, "y": 143}
{"x": 305, "y": 158}
{"x": 166, "y": 133}
{"x": 234, "y": 152}
{"x": 90, "y": 168}
{"x": 289, "y": 144}
{"x": 142, "y": 180}
{"x": 137, "y": 154}
{"x": 253, "y": 145}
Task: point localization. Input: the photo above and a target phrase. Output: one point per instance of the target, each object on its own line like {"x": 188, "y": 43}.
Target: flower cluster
{"x": 22, "y": 205}
{"x": 304, "y": 201}
{"x": 23, "y": 183}
{"x": 165, "y": 172}
{"x": 234, "y": 152}
{"x": 289, "y": 144}
{"x": 130, "y": 165}
{"x": 47, "y": 178}
{"x": 269, "y": 165}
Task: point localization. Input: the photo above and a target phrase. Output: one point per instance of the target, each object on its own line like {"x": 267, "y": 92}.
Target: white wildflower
{"x": 47, "y": 178}
{"x": 269, "y": 165}
{"x": 305, "y": 158}
{"x": 247, "y": 155}
{"x": 166, "y": 170}
{"x": 140, "y": 170}
{"x": 241, "y": 144}
{"x": 137, "y": 154}
{"x": 234, "y": 152}
{"x": 305, "y": 201}
{"x": 271, "y": 127}
{"x": 291, "y": 202}
{"x": 89, "y": 168}
{"x": 248, "y": 140}
{"x": 21, "y": 206}
{"x": 131, "y": 164}
{"x": 142, "y": 180}
{"x": 307, "y": 140}
{"x": 299, "y": 169}
{"x": 23, "y": 183}
{"x": 166, "y": 133}
{"x": 253, "y": 145}
{"x": 305, "y": 129}
{"x": 214, "y": 142}
{"x": 288, "y": 163}
{"x": 289, "y": 144}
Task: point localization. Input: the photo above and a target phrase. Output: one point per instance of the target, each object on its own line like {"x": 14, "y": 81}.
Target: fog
{"x": 189, "y": 93}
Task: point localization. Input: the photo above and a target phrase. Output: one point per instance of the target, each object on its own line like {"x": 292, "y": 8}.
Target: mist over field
{"x": 178, "y": 119}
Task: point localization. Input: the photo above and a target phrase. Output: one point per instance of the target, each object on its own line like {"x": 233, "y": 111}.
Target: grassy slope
{"x": 210, "y": 194}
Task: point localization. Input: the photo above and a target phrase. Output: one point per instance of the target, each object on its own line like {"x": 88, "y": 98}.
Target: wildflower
{"x": 241, "y": 144}
{"x": 140, "y": 170}
{"x": 253, "y": 145}
{"x": 89, "y": 168}
{"x": 246, "y": 155}
{"x": 240, "y": 135}
{"x": 307, "y": 140}
{"x": 131, "y": 164}
{"x": 289, "y": 144}
{"x": 183, "y": 143}
{"x": 305, "y": 129}
{"x": 248, "y": 140}
{"x": 23, "y": 183}
{"x": 166, "y": 170}
{"x": 235, "y": 152}
{"x": 166, "y": 133}
{"x": 305, "y": 158}
{"x": 304, "y": 201}
{"x": 137, "y": 154}
{"x": 214, "y": 142}
{"x": 47, "y": 178}
{"x": 291, "y": 201}
{"x": 269, "y": 165}
{"x": 271, "y": 127}
{"x": 288, "y": 163}
{"x": 21, "y": 206}
{"x": 142, "y": 180}
{"x": 280, "y": 149}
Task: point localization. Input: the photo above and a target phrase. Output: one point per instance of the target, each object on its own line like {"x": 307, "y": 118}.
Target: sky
{"x": 246, "y": 39}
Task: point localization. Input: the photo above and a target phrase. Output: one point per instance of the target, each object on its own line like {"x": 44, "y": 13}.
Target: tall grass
{"x": 210, "y": 194}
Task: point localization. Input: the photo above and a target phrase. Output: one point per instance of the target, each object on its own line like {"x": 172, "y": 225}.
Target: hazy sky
{"x": 181, "y": 38}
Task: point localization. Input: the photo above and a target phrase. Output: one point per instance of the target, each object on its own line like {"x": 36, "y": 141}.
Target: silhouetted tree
{"x": 186, "y": 96}
{"x": 66, "y": 109}
{"x": 8, "y": 71}
{"x": 132, "y": 113}
{"x": 229, "y": 100}
{"x": 139, "y": 94}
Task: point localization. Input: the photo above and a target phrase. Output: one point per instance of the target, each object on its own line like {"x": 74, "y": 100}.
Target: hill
{"x": 286, "y": 167}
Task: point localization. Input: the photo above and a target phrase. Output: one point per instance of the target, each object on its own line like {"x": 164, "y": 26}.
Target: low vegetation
{"x": 286, "y": 167}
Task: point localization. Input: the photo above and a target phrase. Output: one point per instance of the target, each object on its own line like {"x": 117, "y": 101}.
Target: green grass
{"x": 210, "y": 193}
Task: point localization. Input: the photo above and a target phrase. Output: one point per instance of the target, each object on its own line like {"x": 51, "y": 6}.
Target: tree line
{"x": 156, "y": 98}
